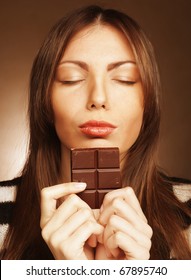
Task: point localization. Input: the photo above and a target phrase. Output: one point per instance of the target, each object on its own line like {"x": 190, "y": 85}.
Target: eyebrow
{"x": 114, "y": 65}
{"x": 110, "y": 66}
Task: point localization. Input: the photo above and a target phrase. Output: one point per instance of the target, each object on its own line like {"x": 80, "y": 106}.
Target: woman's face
{"x": 97, "y": 95}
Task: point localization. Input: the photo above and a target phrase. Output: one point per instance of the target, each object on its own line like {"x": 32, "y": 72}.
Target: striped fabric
{"x": 8, "y": 190}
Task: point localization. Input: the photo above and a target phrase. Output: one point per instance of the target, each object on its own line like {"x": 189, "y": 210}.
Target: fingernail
{"x": 80, "y": 185}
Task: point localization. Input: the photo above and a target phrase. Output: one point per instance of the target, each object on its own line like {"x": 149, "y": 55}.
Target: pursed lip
{"x": 94, "y": 128}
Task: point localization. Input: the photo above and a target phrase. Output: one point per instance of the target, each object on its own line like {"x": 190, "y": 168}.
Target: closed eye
{"x": 125, "y": 82}
{"x": 68, "y": 82}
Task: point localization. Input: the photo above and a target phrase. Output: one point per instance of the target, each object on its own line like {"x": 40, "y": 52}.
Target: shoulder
{"x": 8, "y": 191}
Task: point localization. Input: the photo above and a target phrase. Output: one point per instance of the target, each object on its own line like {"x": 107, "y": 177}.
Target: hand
{"x": 66, "y": 228}
{"x": 127, "y": 234}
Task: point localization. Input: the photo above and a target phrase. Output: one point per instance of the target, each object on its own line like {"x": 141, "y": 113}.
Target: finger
{"x": 131, "y": 249}
{"x": 68, "y": 228}
{"x": 96, "y": 213}
{"x": 92, "y": 241}
{"x": 99, "y": 238}
{"x": 120, "y": 208}
{"x": 108, "y": 232}
{"x": 126, "y": 194}
{"x": 75, "y": 221}
{"x": 77, "y": 240}
{"x": 73, "y": 248}
{"x": 65, "y": 212}
{"x": 85, "y": 231}
{"x": 133, "y": 201}
{"x": 112, "y": 252}
{"x": 50, "y": 195}
{"x": 116, "y": 223}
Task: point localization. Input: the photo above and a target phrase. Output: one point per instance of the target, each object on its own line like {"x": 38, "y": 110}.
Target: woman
{"x": 96, "y": 65}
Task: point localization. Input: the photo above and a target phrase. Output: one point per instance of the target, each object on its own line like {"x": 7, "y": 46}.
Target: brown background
{"x": 23, "y": 25}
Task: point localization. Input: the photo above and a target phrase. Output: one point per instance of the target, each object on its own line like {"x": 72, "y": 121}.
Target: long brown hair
{"x": 154, "y": 190}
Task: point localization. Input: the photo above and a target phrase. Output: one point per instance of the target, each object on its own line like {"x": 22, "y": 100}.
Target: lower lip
{"x": 97, "y": 131}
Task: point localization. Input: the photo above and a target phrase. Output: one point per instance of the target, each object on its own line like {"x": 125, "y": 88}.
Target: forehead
{"x": 99, "y": 39}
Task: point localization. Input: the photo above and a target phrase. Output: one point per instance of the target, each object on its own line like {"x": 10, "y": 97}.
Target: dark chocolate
{"x": 99, "y": 168}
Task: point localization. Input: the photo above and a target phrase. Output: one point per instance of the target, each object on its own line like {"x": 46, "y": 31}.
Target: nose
{"x": 97, "y": 96}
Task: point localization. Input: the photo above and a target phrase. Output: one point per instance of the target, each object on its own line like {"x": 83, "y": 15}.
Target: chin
{"x": 96, "y": 142}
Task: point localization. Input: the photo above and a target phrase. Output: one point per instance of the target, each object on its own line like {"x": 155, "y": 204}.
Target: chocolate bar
{"x": 99, "y": 169}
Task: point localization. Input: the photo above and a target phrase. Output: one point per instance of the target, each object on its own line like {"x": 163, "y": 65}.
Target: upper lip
{"x": 94, "y": 123}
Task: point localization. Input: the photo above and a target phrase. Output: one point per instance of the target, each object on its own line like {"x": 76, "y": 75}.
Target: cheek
{"x": 133, "y": 109}
{"x": 132, "y": 123}
{"x": 63, "y": 113}
{"x": 62, "y": 106}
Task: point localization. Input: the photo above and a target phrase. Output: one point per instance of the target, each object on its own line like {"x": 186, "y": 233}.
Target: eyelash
{"x": 130, "y": 83}
{"x": 71, "y": 82}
